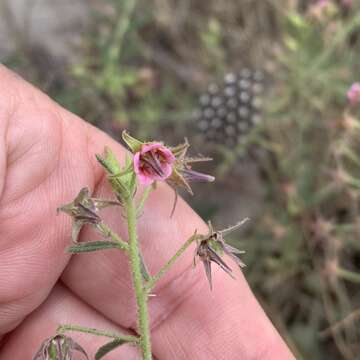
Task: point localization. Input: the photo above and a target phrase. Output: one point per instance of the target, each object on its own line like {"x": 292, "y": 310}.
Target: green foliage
{"x": 303, "y": 251}
{"x": 123, "y": 180}
{"x": 312, "y": 187}
{"x": 211, "y": 38}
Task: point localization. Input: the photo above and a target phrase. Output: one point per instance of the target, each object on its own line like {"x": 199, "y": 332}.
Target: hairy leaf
{"x": 92, "y": 246}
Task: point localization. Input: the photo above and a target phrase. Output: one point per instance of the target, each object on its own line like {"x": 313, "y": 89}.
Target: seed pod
{"x": 58, "y": 347}
{"x": 211, "y": 246}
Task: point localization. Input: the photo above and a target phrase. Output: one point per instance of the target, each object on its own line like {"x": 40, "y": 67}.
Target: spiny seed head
{"x": 211, "y": 246}
{"x": 59, "y": 347}
{"x": 83, "y": 210}
{"x": 229, "y": 111}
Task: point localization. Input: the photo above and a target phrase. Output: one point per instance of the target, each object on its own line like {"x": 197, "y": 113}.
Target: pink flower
{"x": 353, "y": 93}
{"x": 153, "y": 162}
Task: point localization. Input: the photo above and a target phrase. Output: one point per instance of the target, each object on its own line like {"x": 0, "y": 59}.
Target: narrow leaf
{"x": 92, "y": 246}
{"x": 105, "y": 349}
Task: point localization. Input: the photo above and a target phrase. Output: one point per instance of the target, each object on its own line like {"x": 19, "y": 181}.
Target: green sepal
{"x": 105, "y": 349}
{"x": 215, "y": 245}
{"x": 133, "y": 144}
{"x": 109, "y": 161}
{"x": 180, "y": 150}
{"x": 91, "y": 246}
{"x": 53, "y": 352}
{"x": 177, "y": 180}
{"x": 128, "y": 175}
{"x": 122, "y": 180}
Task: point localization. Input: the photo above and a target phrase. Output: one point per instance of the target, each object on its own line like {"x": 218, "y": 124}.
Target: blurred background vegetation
{"x": 144, "y": 64}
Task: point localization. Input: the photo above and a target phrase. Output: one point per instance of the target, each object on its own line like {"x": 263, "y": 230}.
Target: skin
{"x": 46, "y": 157}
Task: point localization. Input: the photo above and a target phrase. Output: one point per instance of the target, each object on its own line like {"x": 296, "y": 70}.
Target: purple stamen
{"x": 153, "y": 162}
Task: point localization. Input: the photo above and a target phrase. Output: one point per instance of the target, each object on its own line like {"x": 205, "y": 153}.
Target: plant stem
{"x": 348, "y": 275}
{"x": 140, "y": 293}
{"x": 143, "y": 199}
{"x": 153, "y": 280}
{"x": 107, "y": 232}
{"x": 66, "y": 327}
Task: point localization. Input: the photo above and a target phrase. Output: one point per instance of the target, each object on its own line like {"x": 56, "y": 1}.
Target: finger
{"x": 62, "y": 307}
{"x": 42, "y": 171}
{"x": 226, "y": 323}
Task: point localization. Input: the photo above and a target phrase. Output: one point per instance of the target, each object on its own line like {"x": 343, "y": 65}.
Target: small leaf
{"x": 92, "y": 246}
{"x": 105, "y": 349}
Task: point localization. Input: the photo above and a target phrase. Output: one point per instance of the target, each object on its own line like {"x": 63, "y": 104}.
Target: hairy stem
{"x": 107, "y": 232}
{"x": 153, "y": 280}
{"x": 140, "y": 293}
{"x": 143, "y": 199}
{"x": 348, "y": 275}
{"x": 67, "y": 327}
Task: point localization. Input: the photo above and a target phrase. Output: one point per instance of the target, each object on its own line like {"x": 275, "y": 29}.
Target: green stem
{"x": 107, "y": 232}
{"x": 348, "y": 275}
{"x": 140, "y": 293}
{"x": 67, "y": 327}
{"x": 143, "y": 199}
{"x": 153, "y": 280}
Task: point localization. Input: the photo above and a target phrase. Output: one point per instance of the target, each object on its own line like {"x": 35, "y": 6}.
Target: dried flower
{"x": 212, "y": 245}
{"x": 353, "y": 93}
{"x": 182, "y": 173}
{"x": 153, "y": 162}
{"x": 83, "y": 211}
{"x": 58, "y": 347}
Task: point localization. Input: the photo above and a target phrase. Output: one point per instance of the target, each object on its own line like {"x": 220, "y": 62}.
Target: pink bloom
{"x": 153, "y": 162}
{"x": 353, "y": 93}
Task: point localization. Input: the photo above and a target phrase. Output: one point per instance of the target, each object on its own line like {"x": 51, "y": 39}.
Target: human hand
{"x": 46, "y": 157}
